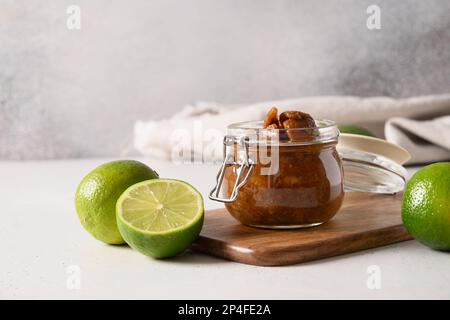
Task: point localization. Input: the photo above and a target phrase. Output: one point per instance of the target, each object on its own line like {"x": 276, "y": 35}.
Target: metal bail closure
{"x": 244, "y": 170}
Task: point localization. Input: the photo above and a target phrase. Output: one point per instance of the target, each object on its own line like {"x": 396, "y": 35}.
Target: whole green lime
{"x": 97, "y": 194}
{"x": 354, "y": 129}
{"x": 426, "y": 206}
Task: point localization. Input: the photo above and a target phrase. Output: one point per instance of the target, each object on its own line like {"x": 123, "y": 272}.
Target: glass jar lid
{"x": 371, "y": 173}
{"x": 372, "y": 164}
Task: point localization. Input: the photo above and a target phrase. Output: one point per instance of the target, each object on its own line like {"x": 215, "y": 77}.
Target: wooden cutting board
{"x": 364, "y": 221}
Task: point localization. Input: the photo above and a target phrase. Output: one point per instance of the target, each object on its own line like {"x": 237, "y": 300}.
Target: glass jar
{"x": 268, "y": 180}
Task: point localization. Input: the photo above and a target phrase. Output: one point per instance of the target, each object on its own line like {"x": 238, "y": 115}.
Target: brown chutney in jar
{"x": 293, "y": 180}
{"x": 307, "y": 190}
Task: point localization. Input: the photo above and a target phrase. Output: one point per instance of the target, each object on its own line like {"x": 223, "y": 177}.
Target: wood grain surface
{"x": 364, "y": 221}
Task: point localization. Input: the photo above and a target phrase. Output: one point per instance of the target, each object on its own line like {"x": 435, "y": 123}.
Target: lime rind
{"x": 138, "y": 208}
{"x": 96, "y": 196}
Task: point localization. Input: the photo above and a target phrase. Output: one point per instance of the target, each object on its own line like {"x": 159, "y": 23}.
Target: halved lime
{"x": 161, "y": 217}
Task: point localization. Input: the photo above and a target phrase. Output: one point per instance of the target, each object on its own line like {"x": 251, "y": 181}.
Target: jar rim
{"x": 327, "y": 131}
{"x": 258, "y": 125}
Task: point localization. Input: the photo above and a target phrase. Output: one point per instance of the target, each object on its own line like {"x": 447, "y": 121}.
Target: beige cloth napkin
{"x": 419, "y": 124}
{"x": 427, "y": 141}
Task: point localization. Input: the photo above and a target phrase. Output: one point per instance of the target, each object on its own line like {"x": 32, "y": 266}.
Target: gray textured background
{"x": 77, "y": 93}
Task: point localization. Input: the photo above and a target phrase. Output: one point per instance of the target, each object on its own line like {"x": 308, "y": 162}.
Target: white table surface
{"x": 41, "y": 238}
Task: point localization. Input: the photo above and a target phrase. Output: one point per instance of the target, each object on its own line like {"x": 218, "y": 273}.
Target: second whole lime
{"x": 426, "y": 206}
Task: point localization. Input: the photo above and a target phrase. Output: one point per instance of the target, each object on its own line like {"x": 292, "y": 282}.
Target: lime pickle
{"x": 306, "y": 190}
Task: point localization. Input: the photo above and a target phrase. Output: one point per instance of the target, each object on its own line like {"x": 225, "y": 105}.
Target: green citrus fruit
{"x": 97, "y": 194}
{"x": 160, "y": 218}
{"x": 355, "y": 130}
{"x": 426, "y": 206}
